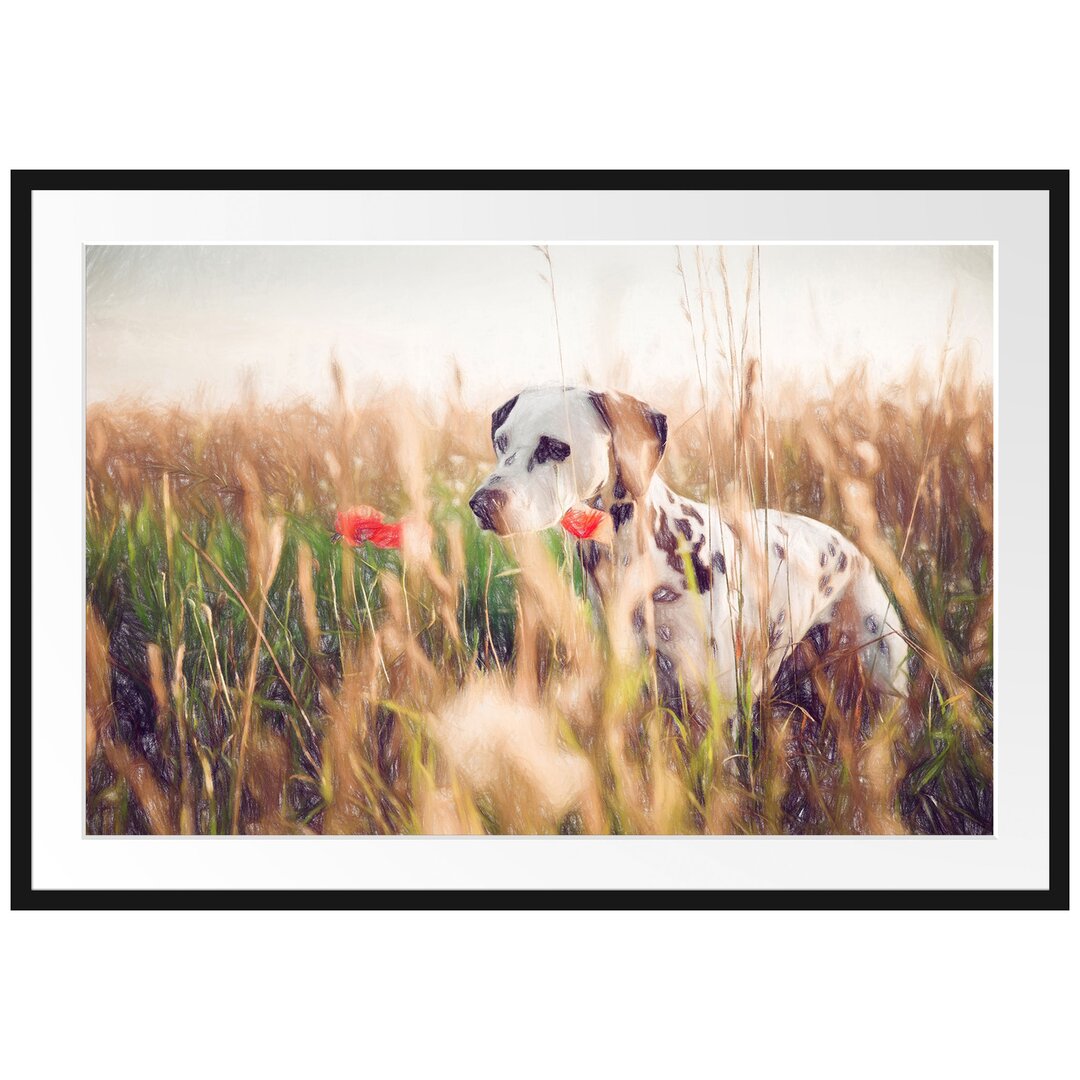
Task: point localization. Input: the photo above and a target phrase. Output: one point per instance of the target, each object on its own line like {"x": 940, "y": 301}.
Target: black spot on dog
{"x": 659, "y": 425}
{"x": 501, "y": 443}
{"x": 667, "y": 682}
{"x": 589, "y": 551}
{"x": 664, "y": 595}
{"x": 828, "y": 591}
{"x": 823, "y": 584}
{"x": 871, "y": 624}
{"x": 670, "y": 496}
{"x": 667, "y": 543}
{"x": 638, "y": 618}
{"x": 718, "y": 562}
{"x": 619, "y": 491}
{"x": 832, "y": 549}
{"x": 780, "y": 553}
{"x": 701, "y": 572}
{"x": 841, "y": 563}
{"x": 498, "y": 417}
{"x": 684, "y": 527}
{"x": 664, "y": 633}
{"x": 548, "y": 449}
{"x": 621, "y": 513}
{"x": 775, "y": 633}
{"x": 691, "y": 512}
{"x": 822, "y": 559}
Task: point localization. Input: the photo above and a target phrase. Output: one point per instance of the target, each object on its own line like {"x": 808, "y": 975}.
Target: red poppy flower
{"x": 365, "y": 524}
{"x": 588, "y": 523}
{"x": 387, "y": 536}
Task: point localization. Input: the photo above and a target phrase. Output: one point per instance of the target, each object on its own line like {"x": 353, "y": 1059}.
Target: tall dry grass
{"x": 246, "y": 674}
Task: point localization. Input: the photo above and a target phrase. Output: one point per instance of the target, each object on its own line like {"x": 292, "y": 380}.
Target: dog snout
{"x": 486, "y": 504}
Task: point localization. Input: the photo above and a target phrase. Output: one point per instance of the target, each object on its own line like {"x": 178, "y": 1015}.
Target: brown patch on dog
{"x": 638, "y": 438}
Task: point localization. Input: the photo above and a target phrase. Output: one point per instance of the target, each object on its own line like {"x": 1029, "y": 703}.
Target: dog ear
{"x": 638, "y": 437}
{"x": 498, "y": 417}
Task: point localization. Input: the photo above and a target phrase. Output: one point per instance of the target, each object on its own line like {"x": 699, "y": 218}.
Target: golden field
{"x": 246, "y": 673}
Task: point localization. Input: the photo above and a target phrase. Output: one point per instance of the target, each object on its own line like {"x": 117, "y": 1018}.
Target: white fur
{"x": 539, "y": 498}
{"x": 783, "y": 574}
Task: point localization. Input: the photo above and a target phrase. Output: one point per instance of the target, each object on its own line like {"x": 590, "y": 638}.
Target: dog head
{"x": 558, "y": 447}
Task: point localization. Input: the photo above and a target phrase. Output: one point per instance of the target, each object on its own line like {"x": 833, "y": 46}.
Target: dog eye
{"x": 549, "y": 449}
{"x": 501, "y": 443}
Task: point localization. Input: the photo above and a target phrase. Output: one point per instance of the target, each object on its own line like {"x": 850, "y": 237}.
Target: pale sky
{"x": 167, "y": 322}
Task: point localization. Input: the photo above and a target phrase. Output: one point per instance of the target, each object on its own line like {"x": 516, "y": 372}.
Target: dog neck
{"x": 623, "y": 506}
{"x": 634, "y": 521}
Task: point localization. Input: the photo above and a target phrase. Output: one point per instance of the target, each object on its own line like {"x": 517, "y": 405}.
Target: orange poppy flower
{"x": 588, "y": 523}
{"x": 365, "y": 524}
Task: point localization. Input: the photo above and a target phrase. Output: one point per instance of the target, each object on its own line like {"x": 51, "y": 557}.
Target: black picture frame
{"x": 24, "y": 183}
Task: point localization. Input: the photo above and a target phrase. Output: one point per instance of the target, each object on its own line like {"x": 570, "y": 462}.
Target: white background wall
{"x": 465, "y": 85}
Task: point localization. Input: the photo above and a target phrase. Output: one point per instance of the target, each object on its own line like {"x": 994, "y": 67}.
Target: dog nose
{"x": 485, "y": 503}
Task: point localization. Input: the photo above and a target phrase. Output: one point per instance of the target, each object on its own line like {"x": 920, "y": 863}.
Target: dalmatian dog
{"x": 703, "y": 593}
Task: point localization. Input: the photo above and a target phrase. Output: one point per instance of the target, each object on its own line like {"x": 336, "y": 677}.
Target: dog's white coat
{"x": 699, "y": 591}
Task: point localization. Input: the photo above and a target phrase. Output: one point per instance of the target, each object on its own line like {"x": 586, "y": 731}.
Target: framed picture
{"x": 547, "y": 539}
